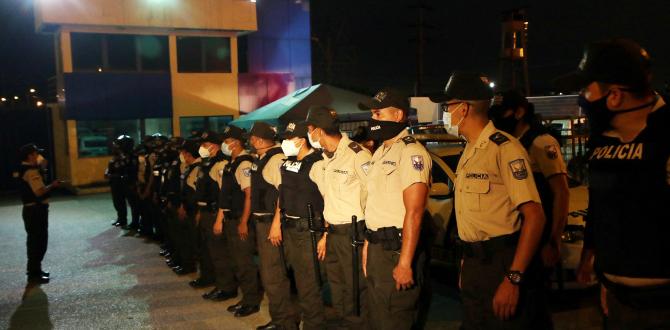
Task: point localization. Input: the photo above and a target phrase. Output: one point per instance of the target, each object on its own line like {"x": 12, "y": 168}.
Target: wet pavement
{"x": 102, "y": 278}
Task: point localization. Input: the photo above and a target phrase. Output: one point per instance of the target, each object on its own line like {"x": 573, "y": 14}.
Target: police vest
{"x": 297, "y": 189}
{"x": 187, "y": 192}
{"x": 263, "y": 194}
{"x": 543, "y": 187}
{"x": 231, "y": 196}
{"x": 27, "y": 194}
{"x": 629, "y": 191}
{"x": 170, "y": 182}
{"x": 206, "y": 189}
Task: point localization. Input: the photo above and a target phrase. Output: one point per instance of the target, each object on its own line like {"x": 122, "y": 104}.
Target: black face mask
{"x": 505, "y": 124}
{"x": 597, "y": 114}
{"x": 381, "y": 131}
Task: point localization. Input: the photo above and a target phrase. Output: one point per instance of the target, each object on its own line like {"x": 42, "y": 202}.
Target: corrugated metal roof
{"x": 553, "y": 107}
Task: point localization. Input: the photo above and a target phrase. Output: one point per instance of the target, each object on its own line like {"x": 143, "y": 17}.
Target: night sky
{"x": 370, "y": 42}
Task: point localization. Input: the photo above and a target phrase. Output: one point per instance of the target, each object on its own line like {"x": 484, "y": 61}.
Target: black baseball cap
{"x": 28, "y": 149}
{"x": 295, "y": 129}
{"x": 191, "y": 146}
{"x": 233, "y": 132}
{"x": 615, "y": 61}
{"x": 511, "y": 99}
{"x": 263, "y": 130}
{"x": 467, "y": 86}
{"x": 211, "y": 137}
{"x": 385, "y": 98}
{"x": 322, "y": 117}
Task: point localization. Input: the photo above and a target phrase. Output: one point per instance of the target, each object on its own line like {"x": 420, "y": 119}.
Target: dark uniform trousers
{"x": 123, "y": 190}
{"x": 299, "y": 256}
{"x": 274, "y": 277}
{"x": 35, "y": 221}
{"x": 172, "y": 232}
{"x": 158, "y": 210}
{"x": 240, "y": 256}
{"x": 205, "y": 224}
{"x": 638, "y": 308}
{"x": 339, "y": 272}
{"x": 224, "y": 277}
{"x": 185, "y": 236}
{"x": 485, "y": 265}
{"x": 390, "y": 308}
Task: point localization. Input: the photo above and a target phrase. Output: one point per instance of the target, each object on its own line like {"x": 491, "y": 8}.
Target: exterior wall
{"x": 230, "y": 15}
{"x": 203, "y": 94}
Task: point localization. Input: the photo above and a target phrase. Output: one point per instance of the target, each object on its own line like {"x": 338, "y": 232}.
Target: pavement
{"x": 103, "y": 278}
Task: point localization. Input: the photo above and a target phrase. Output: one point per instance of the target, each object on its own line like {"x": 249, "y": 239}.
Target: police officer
{"x": 513, "y": 114}
{"x": 170, "y": 195}
{"x": 299, "y": 177}
{"x": 265, "y": 181}
{"x": 629, "y": 182}
{"x": 398, "y": 182}
{"x": 35, "y": 199}
{"x": 144, "y": 175}
{"x": 235, "y": 210}
{"x": 121, "y": 171}
{"x": 344, "y": 170}
{"x": 498, "y": 213}
{"x": 207, "y": 189}
{"x": 187, "y": 236}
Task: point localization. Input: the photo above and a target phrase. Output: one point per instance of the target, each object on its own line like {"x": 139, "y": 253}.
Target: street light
{"x": 39, "y": 103}
{"x": 492, "y": 84}
{"x": 16, "y": 97}
{"x": 4, "y": 99}
{"x": 32, "y": 90}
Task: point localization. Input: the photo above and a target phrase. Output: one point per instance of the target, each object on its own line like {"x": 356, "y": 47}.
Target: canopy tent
{"x": 296, "y": 105}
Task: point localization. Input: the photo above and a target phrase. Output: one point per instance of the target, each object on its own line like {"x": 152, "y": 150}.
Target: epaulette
{"x": 498, "y": 138}
{"x": 408, "y": 140}
{"x": 355, "y": 147}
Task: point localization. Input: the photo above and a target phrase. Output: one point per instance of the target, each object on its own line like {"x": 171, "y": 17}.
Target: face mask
{"x": 314, "y": 144}
{"x": 597, "y": 114}
{"x": 289, "y": 148}
{"x": 181, "y": 158}
{"x": 226, "y": 149}
{"x": 203, "y": 152}
{"x": 505, "y": 124}
{"x": 381, "y": 130}
{"x": 452, "y": 129}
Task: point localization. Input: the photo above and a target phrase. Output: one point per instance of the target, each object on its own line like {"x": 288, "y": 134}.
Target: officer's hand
{"x": 364, "y": 258}
{"x": 275, "y": 234}
{"x": 585, "y": 272}
{"x": 404, "y": 280}
{"x": 551, "y": 254}
{"x": 505, "y": 300}
{"x": 181, "y": 213}
{"x": 243, "y": 230}
{"x": 218, "y": 227}
{"x": 603, "y": 300}
{"x": 321, "y": 248}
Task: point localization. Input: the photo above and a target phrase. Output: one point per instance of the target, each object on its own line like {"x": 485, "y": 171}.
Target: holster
{"x": 389, "y": 237}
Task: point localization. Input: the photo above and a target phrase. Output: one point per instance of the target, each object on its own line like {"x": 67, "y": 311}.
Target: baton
{"x": 354, "y": 263}
{"x": 312, "y": 234}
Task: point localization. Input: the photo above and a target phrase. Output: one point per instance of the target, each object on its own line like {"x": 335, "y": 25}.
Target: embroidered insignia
{"x": 292, "y": 166}
{"x": 365, "y": 167}
{"x": 417, "y": 162}
{"x": 290, "y": 127}
{"x": 246, "y": 172}
{"x": 380, "y": 96}
{"x": 518, "y": 168}
{"x": 254, "y": 167}
{"x": 498, "y": 138}
{"x": 551, "y": 151}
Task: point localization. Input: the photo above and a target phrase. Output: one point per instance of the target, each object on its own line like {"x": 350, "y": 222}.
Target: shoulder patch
{"x": 518, "y": 168}
{"x": 417, "y": 162}
{"x": 408, "y": 140}
{"x": 355, "y": 147}
{"x": 551, "y": 151}
{"x": 247, "y": 171}
{"x": 498, "y": 138}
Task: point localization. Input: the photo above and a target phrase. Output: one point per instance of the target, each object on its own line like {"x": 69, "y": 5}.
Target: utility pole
{"x": 513, "y": 68}
{"x": 421, "y": 26}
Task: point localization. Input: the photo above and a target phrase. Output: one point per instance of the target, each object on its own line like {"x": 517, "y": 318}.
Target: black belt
{"x": 486, "y": 249}
{"x": 209, "y": 207}
{"x": 300, "y": 224}
{"x": 265, "y": 218}
{"x": 345, "y": 229}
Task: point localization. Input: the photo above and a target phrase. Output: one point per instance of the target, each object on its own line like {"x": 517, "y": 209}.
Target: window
{"x": 119, "y": 53}
{"x": 190, "y": 125}
{"x": 203, "y": 54}
{"x": 95, "y": 137}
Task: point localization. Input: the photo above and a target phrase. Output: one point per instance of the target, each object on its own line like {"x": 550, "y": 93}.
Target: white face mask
{"x": 181, "y": 158}
{"x": 203, "y": 152}
{"x": 289, "y": 148}
{"x": 314, "y": 144}
{"x": 452, "y": 128}
{"x": 226, "y": 149}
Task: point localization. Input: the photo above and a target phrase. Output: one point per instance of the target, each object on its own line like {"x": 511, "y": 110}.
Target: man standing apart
{"x": 398, "y": 182}
{"x": 498, "y": 213}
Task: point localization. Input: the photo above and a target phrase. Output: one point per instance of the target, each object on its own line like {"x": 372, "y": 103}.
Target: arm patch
{"x": 498, "y": 138}
{"x": 408, "y": 140}
{"x": 355, "y": 147}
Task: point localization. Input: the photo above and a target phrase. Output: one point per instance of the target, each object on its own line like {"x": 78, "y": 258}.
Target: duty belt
{"x": 300, "y": 224}
{"x": 486, "y": 249}
{"x": 204, "y": 206}
{"x": 263, "y": 218}
{"x": 345, "y": 229}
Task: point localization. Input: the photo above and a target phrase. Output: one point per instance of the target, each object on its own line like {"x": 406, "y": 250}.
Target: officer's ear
{"x": 616, "y": 97}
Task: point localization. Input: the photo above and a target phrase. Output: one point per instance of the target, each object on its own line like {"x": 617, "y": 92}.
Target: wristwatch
{"x": 515, "y": 277}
